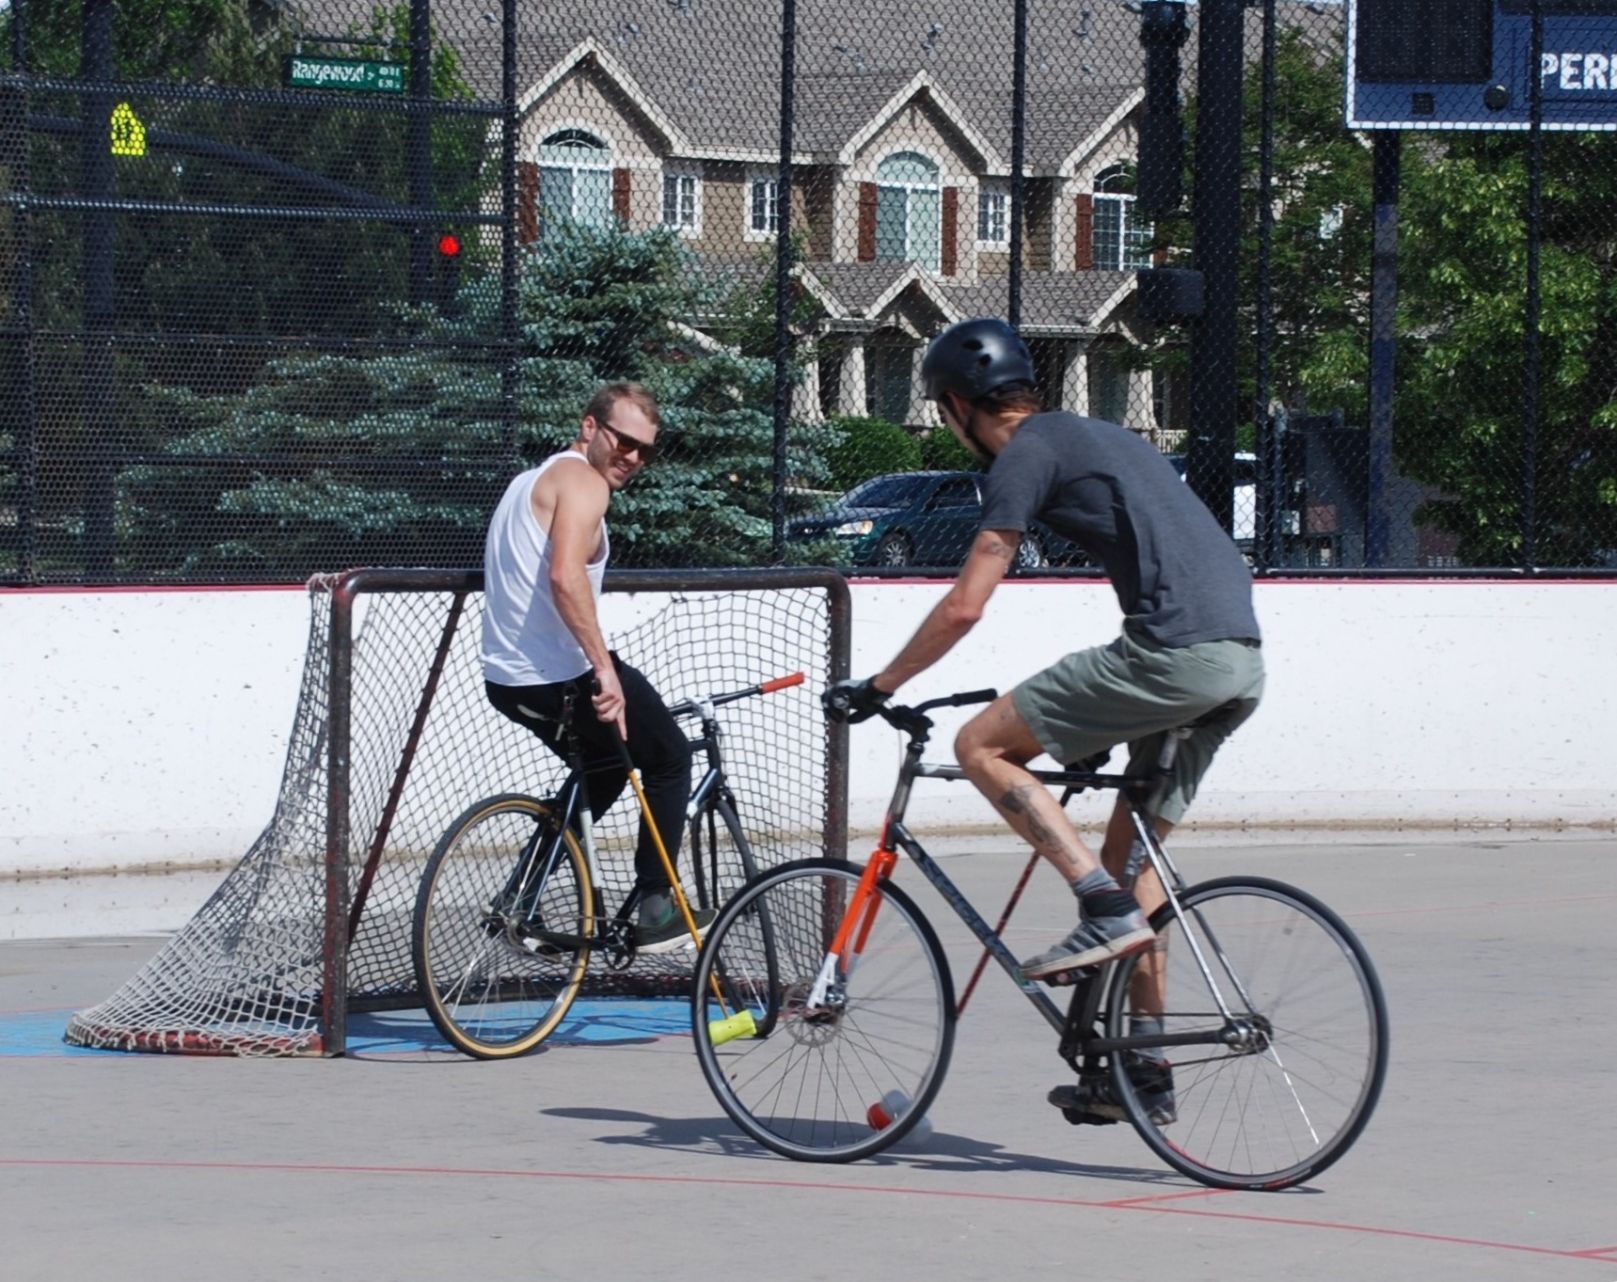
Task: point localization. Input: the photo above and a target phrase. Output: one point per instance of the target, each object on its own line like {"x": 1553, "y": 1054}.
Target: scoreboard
{"x": 1468, "y": 64}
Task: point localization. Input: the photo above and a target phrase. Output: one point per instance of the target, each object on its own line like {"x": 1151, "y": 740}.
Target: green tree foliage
{"x": 401, "y": 456}
{"x": 1461, "y": 361}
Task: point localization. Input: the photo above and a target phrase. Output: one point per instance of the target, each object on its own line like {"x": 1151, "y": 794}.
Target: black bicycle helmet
{"x": 974, "y": 358}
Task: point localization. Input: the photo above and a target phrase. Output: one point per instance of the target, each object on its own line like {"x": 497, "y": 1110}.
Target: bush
{"x": 871, "y": 447}
{"x": 942, "y": 453}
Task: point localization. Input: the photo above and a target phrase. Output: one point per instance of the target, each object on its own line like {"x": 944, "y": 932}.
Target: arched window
{"x": 575, "y": 179}
{"x": 1122, "y": 236}
{"x": 909, "y": 210}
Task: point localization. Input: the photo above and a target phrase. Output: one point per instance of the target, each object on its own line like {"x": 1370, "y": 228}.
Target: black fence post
{"x": 1013, "y": 303}
{"x": 783, "y": 275}
{"x": 511, "y": 355}
{"x": 418, "y": 149}
{"x": 26, "y": 404}
{"x": 1214, "y": 387}
{"x": 1268, "y": 493}
{"x": 98, "y": 446}
{"x": 1383, "y": 343}
{"x": 1532, "y": 346}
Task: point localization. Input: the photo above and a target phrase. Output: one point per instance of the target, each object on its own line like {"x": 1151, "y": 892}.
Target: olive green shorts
{"x": 1134, "y": 691}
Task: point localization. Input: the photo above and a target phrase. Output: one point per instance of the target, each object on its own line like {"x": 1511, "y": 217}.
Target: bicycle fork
{"x": 828, "y": 990}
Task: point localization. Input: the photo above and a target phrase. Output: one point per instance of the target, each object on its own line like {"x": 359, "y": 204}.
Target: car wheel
{"x": 1030, "y": 553}
{"x": 894, "y": 549}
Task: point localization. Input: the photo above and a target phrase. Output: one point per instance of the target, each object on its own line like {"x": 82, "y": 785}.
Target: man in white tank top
{"x": 543, "y": 648}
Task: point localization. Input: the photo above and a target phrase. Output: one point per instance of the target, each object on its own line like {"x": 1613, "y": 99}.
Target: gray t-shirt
{"x": 1178, "y": 576}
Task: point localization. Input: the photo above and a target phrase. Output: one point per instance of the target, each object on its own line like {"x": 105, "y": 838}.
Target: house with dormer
{"x": 667, "y": 113}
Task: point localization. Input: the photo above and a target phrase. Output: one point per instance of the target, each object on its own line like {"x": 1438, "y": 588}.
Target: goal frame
{"x": 342, "y": 911}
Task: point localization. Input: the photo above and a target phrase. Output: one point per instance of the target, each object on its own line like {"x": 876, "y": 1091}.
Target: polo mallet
{"x": 740, "y": 1024}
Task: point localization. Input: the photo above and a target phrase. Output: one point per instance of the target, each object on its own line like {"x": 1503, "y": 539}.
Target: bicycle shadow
{"x": 941, "y": 1152}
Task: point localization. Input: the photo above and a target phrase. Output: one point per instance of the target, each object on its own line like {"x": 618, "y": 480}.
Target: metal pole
{"x": 1383, "y": 343}
{"x": 98, "y": 443}
{"x": 1268, "y": 492}
{"x": 1214, "y": 387}
{"x": 783, "y": 277}
{"x": 23, "y": 305}
{"x": 418, "y": 148}
{"x": 1533, "y": 346}
{"x": 509, "y": 334}
{"x": 1013, "y": 304}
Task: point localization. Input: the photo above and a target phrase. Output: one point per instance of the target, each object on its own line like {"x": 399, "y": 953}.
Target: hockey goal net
{"x": 394, "y": 737}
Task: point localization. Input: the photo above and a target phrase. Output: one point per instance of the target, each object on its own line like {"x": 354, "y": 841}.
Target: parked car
{"x": 922, "y": 519}
{"x": 1245, "y": 515}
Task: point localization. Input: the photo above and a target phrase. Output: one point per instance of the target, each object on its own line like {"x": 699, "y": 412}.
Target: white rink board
{"x": 149, "y": 727}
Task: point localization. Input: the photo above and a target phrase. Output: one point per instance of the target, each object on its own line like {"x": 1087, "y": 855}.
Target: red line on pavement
{"x": 324, "y": 1168}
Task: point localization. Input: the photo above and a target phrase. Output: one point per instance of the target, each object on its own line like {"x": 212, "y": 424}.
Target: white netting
{"x": 246, "y": 975}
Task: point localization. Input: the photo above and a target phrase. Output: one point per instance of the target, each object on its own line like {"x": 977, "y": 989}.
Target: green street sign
{"x": 344, "y": 73}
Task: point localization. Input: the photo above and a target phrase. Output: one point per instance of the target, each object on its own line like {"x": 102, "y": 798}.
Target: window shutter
{"x": 527, "y": 202}
{"x": 1083, "y": 256}
{"x": 620, "y": 195}
{"x": 867, "y": 222}
{"x": 951, "y": 229}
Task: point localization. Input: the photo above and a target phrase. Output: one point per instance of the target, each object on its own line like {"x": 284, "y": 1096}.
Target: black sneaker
{"x": 1095, "y": 1099}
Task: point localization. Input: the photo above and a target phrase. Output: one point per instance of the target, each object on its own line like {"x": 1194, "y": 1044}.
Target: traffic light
{"x": 447, "y": 250}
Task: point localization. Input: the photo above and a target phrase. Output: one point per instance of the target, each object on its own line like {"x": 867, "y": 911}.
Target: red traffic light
{"x": 449, "y": 244}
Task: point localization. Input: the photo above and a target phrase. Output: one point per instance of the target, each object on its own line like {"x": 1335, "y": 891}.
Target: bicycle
{"x": 1269, "y": 1002}
{"x": 510, "y": 909}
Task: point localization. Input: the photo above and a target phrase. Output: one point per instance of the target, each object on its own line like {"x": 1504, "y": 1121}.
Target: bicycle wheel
{"x": 721, "y": 856}
{"x": 492, "y": 974}
{"x": 803, "y": 1083}
{"x": 1283, "y": 1098}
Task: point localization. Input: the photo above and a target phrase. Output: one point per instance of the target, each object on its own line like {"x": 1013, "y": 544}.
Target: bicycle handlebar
{"x": 690, "y": 707}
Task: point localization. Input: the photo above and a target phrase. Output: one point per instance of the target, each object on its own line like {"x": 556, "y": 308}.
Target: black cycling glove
{"x": 853, "y": 701}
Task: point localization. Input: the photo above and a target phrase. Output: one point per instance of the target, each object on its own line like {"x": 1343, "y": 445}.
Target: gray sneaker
{"x": 668, "y": 933}
{"x": 1093, "y": 941}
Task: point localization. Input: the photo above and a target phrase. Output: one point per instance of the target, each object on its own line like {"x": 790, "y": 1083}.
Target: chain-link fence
{"x": 299, "y": 285}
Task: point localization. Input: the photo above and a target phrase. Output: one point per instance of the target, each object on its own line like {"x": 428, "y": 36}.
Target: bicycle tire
{"x": 716, "y": 884}
{"x": 489, "y": 995}
{"x": 1284, "y": 1107}
{"x": 801, "y": 1086}
{"x": 721, "y": 856}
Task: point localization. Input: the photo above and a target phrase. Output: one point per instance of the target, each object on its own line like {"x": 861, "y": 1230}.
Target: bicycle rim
{"x": 803, "y": 1084}
{"x": 493, "y": 988}
{"x": 1290, "y": 1101}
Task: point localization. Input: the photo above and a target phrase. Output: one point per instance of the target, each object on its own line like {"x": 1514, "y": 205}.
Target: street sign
{"x": 343, "y": 73}
{"x": 1465, "y": 64}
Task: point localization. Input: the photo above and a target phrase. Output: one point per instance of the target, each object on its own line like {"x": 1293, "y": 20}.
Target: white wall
{"x": 148, "y": 727}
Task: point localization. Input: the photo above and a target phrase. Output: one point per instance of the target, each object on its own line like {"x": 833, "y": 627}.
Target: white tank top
{"x": 525, "y": 641}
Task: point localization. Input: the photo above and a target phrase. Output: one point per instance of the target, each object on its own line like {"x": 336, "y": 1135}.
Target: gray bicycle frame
{"x": 1137, "y": 791}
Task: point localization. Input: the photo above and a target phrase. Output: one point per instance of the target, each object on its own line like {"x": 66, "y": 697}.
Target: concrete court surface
{"x": 1491, "y": 1155}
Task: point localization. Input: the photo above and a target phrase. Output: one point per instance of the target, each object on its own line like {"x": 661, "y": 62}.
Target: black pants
{"x": 657, "y": 746}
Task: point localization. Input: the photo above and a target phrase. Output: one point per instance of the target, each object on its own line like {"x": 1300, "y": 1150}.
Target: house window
{"x": 909, "y": 211}
{"x": 993, "y": 217}
{"x": 1108, "y": 386}
{"x": 763, "y": 207}
{"x": 575, "y": 179}
{"x": 1122, "y": 236}
{"x": 682, "y": 207}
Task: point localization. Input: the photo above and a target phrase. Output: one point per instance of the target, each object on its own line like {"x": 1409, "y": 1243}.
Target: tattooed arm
{"x": 988, "y": 562}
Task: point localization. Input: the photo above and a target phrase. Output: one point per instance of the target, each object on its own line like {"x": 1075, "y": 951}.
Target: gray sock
{"x": 1089, "y": 883}
{"x": 656, "y": 907}
{"x": 1147, "y": 1026}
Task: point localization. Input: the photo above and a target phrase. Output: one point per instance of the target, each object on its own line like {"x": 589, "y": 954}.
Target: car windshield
{"x": 886, "y": 491}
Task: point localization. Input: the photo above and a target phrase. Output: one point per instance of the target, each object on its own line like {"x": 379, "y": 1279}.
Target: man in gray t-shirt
{"x": 1189, "y": 649}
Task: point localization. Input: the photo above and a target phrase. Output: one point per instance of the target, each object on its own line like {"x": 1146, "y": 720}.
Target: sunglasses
{"x": 623, "y": 443}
